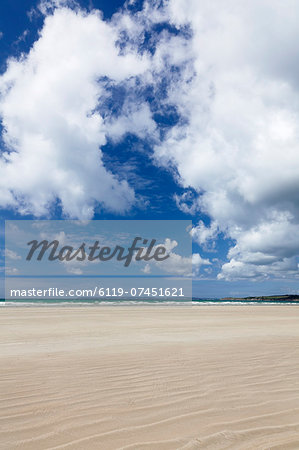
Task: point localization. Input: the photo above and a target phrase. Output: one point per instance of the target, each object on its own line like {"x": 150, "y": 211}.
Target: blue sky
{"x": 159, "y": 110}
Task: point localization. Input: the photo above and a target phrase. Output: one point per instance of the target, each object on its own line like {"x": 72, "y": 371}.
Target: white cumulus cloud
{"x": 239, "y": 144}
{"x": 52, "y": 130}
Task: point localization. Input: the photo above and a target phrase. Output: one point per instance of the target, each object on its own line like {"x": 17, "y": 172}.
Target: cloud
{"x": 58, "y": 108}
{"x": 187, "y": 202}
{"x": 238, "y": 146}
{"x": 269, "y": 249}
{"x": 146, "y": 269}
{"x": 10, "y": 254}
{"x": 11, "y": 270}
{"x": 177, "y": 264}
{"x": 197, "y": 262}
{"x": 204, "y": 235}
{"x": 229, "y": 72}
{"x": 52, "y": 128}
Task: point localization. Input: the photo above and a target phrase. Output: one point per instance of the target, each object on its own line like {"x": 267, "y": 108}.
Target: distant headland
{"x": 265, "y": 298}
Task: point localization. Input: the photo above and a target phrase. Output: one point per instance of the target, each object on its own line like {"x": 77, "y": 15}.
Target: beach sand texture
{"x": 206, "y": 377}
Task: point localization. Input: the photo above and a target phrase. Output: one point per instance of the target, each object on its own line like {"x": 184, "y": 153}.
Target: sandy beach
{"x": 206, "y": 377}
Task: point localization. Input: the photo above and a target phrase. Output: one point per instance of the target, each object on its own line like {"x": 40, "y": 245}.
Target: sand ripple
{"x": 146, "y": 379}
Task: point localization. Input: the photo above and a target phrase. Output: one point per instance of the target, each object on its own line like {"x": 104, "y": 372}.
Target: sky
{"x": 178, "y": 109}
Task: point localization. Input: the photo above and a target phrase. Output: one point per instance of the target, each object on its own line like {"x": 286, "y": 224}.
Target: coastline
{"x": 142, "y": 303}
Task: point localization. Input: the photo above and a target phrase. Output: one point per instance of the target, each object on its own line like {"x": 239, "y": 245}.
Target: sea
{"x": 133, "y": 302}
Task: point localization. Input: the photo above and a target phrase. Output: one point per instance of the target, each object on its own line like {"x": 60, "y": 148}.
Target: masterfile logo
{"x": 98, "y": 253}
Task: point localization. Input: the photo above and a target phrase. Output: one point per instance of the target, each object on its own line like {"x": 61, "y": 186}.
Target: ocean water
{"x": 128, "y": 302}
{"x": 89, "y": 302}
